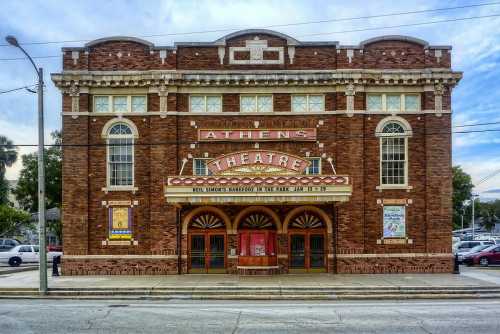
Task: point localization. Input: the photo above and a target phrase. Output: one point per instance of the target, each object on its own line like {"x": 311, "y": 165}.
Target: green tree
{"x": 27, "y": 186}
{"x": 12, "y": 221}
{"x": 462, "y": 190}
{"x": 8, "y": 156}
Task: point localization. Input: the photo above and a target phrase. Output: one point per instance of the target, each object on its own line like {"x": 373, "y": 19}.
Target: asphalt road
{"x": 177, "y": 316}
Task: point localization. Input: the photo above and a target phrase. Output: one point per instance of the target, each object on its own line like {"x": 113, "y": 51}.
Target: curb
{"x": 17, "y": 270}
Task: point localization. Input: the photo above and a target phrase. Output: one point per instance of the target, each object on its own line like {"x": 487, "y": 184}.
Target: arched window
{"x": 120, "y": 156}
{"x": 393, "y": 133}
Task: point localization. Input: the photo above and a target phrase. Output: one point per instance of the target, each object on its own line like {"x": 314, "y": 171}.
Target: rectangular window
{"x": 101, "y": 103}
{"x": 393, "y": 102}
{"x": 306, "y": 102}
{"x": 256, "y": 103}
{"x": 412, "y": 102}
{"x": 139, "y": 104}
{"x": 200, "y": 167}
{"x": 393, "y": 161}
{"x": 315, "y": 166}
{"x": 120, "y": 160}
{"x": 120, "y": 103}
{"x": 205, "y": 103}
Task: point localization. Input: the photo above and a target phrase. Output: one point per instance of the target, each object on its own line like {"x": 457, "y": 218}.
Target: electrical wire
{"x": 16, "y": 89}
{"x": 282, "y": 25}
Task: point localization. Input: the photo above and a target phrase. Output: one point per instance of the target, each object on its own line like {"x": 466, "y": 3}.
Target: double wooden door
{"x": 207, "y": 252}
{"x": 307, "y": 251}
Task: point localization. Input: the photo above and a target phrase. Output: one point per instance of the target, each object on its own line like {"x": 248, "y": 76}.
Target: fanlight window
{"x": 207, "y": 221}
{"x": 393, "y": 127}
{"x": 307, "y": 220}
{"x": 120, "y": 129}
{"x": 256, "y": 221}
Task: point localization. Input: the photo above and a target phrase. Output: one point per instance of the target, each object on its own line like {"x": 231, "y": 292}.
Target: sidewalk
{"x": 471, "y": 281}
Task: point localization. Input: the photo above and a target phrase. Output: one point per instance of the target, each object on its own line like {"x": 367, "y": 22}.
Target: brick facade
{"x": 167, "y": 136}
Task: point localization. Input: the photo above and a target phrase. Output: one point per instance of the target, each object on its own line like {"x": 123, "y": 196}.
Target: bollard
{"x": 456, "y": 267}
{"x": 55, "y": 262}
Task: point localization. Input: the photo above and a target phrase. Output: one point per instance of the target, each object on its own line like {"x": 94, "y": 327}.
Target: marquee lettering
{"x": 286, "y": 162}
{"x": 308, "y": 134}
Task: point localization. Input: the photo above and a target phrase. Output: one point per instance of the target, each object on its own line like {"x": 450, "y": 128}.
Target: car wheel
{"x": 484, "y": 261}
{"x": 15, "y": 262}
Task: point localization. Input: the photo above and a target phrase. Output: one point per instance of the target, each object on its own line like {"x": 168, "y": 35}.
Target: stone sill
{"x": 127, "y": 188}
{"x": 395, "y": 187}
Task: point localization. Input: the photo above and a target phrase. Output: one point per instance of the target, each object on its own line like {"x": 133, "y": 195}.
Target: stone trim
{"x": 391, "y": 255}
{"x": 114, "y": 257}
{"x": 237, "y": 113}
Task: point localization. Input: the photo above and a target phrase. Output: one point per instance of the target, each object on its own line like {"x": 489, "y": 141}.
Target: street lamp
{"x": 474, "y": 197}
{"x": 41, "y": 171}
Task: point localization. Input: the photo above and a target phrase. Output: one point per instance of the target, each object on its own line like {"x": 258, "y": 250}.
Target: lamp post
{"x": 474, "y": 197}
{"x": 41, "y": 171}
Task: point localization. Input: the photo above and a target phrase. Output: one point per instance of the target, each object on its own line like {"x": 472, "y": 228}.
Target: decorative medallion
{"x": 207, "y": 221}
{"x": 307, "y": 220}
{"x": 257, "y": 220}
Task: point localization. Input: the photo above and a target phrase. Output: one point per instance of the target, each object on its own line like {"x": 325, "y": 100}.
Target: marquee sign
{"x": 306, "y": 134}
{"x": 257, "y": 189}
{"x": 258, "y": 162}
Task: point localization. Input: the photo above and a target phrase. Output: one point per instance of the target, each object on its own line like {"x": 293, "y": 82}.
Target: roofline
{"x": 290, "y": 40}
{"x": 118, "y": 39}
{"x": 394, "y": 38}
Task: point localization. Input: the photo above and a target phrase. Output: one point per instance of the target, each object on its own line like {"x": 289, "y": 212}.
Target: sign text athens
{"x": 257, "y": 135}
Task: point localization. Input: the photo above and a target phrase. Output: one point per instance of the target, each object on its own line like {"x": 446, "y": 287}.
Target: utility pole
{"x": 41, "y": 172}
{"x": 474, "y": 196}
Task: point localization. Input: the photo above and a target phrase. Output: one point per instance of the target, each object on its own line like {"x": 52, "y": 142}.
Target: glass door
{"x": 216, "y": 256}
{"x": 197, "y": 253}
{"x": 297, "y": 251}
{"x": 316, "y": 251}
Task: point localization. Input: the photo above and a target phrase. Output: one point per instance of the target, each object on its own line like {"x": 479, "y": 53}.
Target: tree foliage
{"x": 26, "y": 191}
{"x": 462, "y": 191}
{"x": 8, "y": 156}
{"x": 12, "y": 221}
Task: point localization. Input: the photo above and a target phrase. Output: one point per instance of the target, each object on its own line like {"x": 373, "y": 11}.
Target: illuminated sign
{"x": 258, "y": 162}
{"x": 257, "y": 135}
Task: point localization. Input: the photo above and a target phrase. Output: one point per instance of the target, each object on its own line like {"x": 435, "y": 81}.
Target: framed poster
{"x": 120, "y": 222}
{"x": 394, "y": 221}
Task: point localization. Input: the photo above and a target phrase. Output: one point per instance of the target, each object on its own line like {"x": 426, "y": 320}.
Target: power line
{"x": 285, "y": 24}
{"x": 16, "y": 89}
{"x": 477, "y": 124}
{"x": 487, "y": 177}
{"x": 332, "y": 32}
{"x": 185, "y": 142}
{"x": 402, "y": 25}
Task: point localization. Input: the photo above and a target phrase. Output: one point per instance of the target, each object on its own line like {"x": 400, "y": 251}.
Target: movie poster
{"x": 394, "y": 221}
{"x": 120, "y": 222}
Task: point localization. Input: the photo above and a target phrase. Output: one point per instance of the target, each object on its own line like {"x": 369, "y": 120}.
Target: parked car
{"x": 464, "y": 252}
{"x": 7, "y": 244}
{"x": 468, "y": 245}
{"x": 24, "y": 254}
{"x": 487, "y": 256}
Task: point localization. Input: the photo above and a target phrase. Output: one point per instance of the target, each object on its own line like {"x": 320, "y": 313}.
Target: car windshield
{"x": 490, "y": 247}
{"x": 478, "y": 248}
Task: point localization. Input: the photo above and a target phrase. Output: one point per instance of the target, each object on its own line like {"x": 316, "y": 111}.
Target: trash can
{"x": 55, "y": 263}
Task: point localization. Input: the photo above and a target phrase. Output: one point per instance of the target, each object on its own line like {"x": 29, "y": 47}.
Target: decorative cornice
{"x": 255, "y": 78}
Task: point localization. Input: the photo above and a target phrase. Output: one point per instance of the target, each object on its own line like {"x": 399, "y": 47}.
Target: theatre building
{"x": 256, "y": 153}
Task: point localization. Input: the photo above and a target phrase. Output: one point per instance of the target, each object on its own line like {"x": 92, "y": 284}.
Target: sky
{"x": 476, "y": 52}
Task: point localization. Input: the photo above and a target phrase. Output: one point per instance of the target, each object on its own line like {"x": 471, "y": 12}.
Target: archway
{"x": 257, "y": 227}
{"x": 207, "y": 230}
{"x": 307, "y": 229}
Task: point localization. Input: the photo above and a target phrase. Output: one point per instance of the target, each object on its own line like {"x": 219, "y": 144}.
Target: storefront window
{"x": 257, "y": 243}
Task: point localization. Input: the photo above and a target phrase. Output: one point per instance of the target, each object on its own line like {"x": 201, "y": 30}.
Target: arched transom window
{"x": 120, "y": 143}
{"x": 394, "y": 135}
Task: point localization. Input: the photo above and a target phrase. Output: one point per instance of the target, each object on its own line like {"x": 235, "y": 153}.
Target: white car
{"x": 24, "y": 254}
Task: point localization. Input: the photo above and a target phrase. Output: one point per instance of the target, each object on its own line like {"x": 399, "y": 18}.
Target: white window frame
{"x": 105, "y": 135}
{"x": 194, "y": 166}
{"x": 111, "y": 105}
{"x": 205, "y": 101}
{"x": 402, "y": 102}
{"x": 320, "y": 165}
{"x": 256, "y": 96}
{"x": 307, "y": 96}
